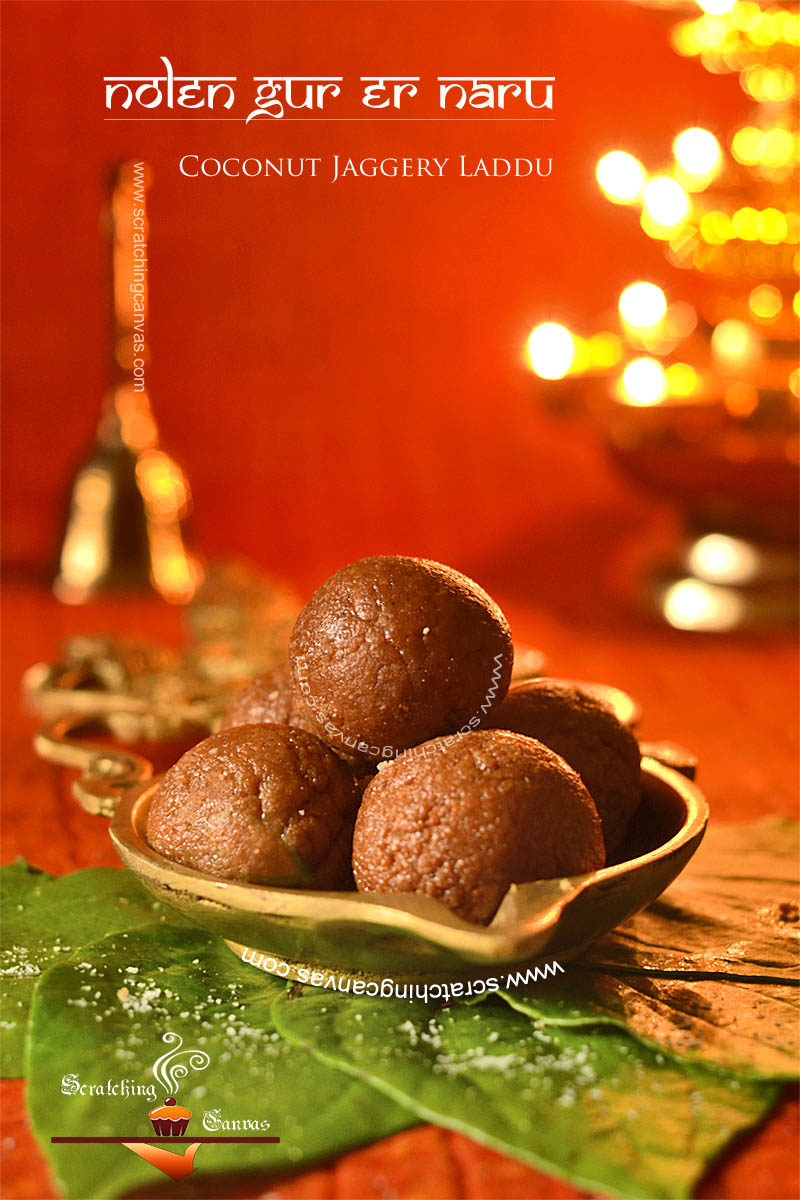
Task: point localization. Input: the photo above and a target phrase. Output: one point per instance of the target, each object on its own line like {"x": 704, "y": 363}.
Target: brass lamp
{"x": 698, "y": 402}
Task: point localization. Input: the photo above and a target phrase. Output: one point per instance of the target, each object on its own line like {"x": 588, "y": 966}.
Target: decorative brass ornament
{"x": 239, "y": 624}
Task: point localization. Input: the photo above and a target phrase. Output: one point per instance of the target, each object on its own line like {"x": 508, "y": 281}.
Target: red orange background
{"x": 338, "y": 367}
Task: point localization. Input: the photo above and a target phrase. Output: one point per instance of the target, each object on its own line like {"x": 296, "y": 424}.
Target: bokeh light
{"x": 642, "y": 305}
{"x": 734, "y": 342}
{"x": 682, "y": 379}
{"x": 717, "y": 7}
{"x": 665, "y": 201}
{"x": 698, "y": 153}
{"x": 605, "y": 350}
{"x": 741, "y": 399}
{"x": 621, "y": 176}
{"x": 551, "y": 350}
{"x": 719, "y": 558}
{"x": 765, "y": 302}
{"x": 643, "y": 382}
{"x": 769, "y": 84}
{"x": 693, "y": 604}
{"x": 746, "y": 144}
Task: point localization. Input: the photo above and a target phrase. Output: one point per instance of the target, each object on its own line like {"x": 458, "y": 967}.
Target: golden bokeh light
{"x": 746, "y": 223}
{"x": 698, "y": 154}
{"x": 665, "y": 202}
{"x": 693, "y": 604}
{"x": 682, "y": 379}
{"x": 773, "y": 227}
{"x": 642, "y": 305}
{"x": 551, "y": 350}
{"x": 719, "y": 558}
{"x": 745, "y": 14}
{"x": 746, "y": 144}
{"x": 765, "y": 302}
{"x": 769, "y": 84}
{"x": 734, "y": 342}
{"x": 605, "y": 350}
{"x": 621, "y": 176}
{"x": 778, "y": 147}
{"x": 581, "y": 358}
{"x": 643, "y": 383}
{"x": 716, "y": 228}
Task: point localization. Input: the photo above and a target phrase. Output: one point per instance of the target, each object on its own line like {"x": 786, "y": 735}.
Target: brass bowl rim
{"x": 421, "y": 916}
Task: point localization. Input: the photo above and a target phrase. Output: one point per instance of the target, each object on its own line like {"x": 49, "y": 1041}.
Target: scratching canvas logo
{"x": 169, "y": 1120}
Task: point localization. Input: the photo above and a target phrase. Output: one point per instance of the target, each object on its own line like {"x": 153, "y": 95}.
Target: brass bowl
{"x": 292, "y": 932}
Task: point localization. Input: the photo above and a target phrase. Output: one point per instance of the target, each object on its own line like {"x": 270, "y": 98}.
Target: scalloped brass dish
{"x": 413, "y": 937}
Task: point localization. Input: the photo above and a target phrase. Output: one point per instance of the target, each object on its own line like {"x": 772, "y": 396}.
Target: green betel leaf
{"x": 100, "y": 1018}
{"x": 593, "y": 1106}
{"x": 45, "y": 919}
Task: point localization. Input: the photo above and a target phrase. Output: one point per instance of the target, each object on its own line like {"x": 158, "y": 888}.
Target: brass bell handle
{"x": 107, "y": 775}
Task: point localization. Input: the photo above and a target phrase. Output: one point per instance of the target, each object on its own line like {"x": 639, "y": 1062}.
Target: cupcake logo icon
{"x": 171, "y": 1119}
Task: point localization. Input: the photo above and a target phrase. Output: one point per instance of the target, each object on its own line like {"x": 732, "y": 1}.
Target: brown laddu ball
{"x": 589, "y": 736}
{"x": 392, "y": 651}
{"x": 268, "y": 699}
{"x": 271, "y": 699}
{"x": 260, "y": 804}
{"x": 462, "y": 818}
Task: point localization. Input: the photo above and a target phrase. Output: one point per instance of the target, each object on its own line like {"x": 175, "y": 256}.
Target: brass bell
{"x": 129, "y": 498}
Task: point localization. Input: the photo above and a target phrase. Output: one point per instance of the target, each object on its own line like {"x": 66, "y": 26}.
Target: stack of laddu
{"x": 390, "y": 752}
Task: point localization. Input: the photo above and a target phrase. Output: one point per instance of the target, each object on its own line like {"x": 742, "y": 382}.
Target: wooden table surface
{"x": 733, "y": 700}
